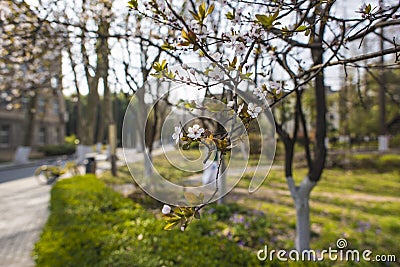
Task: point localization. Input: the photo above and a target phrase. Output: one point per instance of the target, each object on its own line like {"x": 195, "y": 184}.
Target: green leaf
{"x": 191, "y": 104}
{"x": 179, "y": 211}
{"x": 233, "y": 63}
{"x": 170, "y": 75}
{"x": 133, "y": 4}
{"x": 275, "y": 15}
{"x": 169, "y": 226}
{"x": 202, "y": 10}
{"x": 210, "y": 9}
{"x": 157, "y": 66}
{"x": 167, "y": 46}
{"x": 186, "y": 146}
{"x": 184, "y": 44}
{"x": 368, "y": 8}
{"x": 301, "y": 28}
{"x": 195, "y": 16}
{"x": 184, "y": 35}
{"x": 246, "y": 75}
{"x": 265, "y": 20}
{"x": 230, "y": 16}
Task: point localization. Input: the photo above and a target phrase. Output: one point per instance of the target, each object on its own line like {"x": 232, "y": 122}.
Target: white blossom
{"x": 240, "y": 108}
{"x": 195, "y": 131}
{"x": 259, "y": 93}
{"x": 240, "y": 48}
{"x": 253, "y": 110}
{"x": 276, "y": 86}
{"x": 166, "y": 209}
{"x": 272, "y": 54}
{"x": 232, "y": 36}
{"x": 216, "y": 56}
{"x": 177, "y": 135}
{"x": 231, "y": 104}
{"x": 216, "y": 73}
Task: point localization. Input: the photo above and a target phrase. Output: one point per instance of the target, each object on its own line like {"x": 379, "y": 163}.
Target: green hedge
{"x": 91, "y": 225}
{"x": 382, "y": 163}
{"x": 56, "y": 150}
{"x": 394, "y": 141}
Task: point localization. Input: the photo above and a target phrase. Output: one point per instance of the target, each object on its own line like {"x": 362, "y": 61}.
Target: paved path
{"x": 24, "y": 208}
{"x": 23, "y": 212}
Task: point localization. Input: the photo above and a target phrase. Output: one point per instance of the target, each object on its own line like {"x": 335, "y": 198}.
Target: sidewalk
{"x": 23, "y": 212}
{"x": 34, "y": 162}
{"x": 10, "y": 165}
{"x": 24, "y": 208}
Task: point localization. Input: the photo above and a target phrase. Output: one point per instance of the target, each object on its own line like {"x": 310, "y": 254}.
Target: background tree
{"x": 297, "y": 41}
{"x": 28, "y": 64}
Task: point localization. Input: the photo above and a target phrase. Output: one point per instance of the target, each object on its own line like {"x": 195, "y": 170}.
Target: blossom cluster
{"x": 273, "y": 89}
{"x": 195, "y": 132}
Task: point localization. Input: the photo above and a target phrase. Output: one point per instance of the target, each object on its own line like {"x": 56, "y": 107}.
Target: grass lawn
{"x": 361, "y": 206}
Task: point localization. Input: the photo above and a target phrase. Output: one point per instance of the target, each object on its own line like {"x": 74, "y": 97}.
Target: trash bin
{"x": 90, "y": 165}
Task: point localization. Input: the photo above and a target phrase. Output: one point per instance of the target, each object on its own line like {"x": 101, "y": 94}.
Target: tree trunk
{"x": 91, "y": 114}
{"x": 222, "y": 181}
{"x": 148, "y": 165}
{"x": 30, "y": 121}
{"x": 142, "y": 115}
{"x": 302, "y": 240}
{"x": 301, "y": 196}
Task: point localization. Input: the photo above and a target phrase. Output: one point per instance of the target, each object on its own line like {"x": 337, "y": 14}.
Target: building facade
{"x": 48, "y": 122}
{"x": 32, "y": 106}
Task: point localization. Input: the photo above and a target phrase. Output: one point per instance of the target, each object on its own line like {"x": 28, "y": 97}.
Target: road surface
{"x": 23, "y": 209}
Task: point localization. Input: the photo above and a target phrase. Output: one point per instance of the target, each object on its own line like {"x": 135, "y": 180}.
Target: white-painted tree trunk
{"x": 148, "y": 165}
{"x": 99, "y": 147}
{"x": 301, "y": 196}
{"x": 22, "y": 155}
{"x": 383, "y": 143}
{"x": 302, "y": 241}
{"x": 81, "y": 151}
{"x": 222, "y": 182}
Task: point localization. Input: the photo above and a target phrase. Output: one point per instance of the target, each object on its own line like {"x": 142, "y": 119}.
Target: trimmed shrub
{"x": 91, "y": 225}
{"x": 56, "y": 150}
{"x": 382, "y": 163}
{"x": 394, "y": 141}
